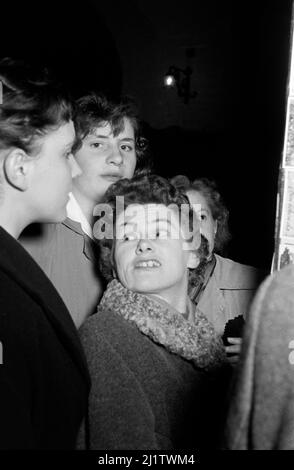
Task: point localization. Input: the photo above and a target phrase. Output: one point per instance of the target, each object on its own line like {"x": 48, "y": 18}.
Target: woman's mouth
{"x": 112, "y": 178}
{"x": 152, "y": 263}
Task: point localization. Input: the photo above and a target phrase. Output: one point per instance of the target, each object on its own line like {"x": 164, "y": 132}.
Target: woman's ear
{"x": 16, "y": 168}
{"x": 193, "y": 260}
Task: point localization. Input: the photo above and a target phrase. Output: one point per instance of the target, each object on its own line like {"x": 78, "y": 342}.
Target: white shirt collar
{"x": 75, "y": 213}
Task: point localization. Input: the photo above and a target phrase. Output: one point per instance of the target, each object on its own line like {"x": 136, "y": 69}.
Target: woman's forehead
{"x": 197, "y": 198}
{"x": 147, "y": 214}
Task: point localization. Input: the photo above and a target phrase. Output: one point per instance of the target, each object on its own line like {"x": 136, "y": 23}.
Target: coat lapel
{"x": 90, "y": 248}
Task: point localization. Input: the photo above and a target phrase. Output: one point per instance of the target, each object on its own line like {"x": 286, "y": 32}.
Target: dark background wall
{"x": 231, "y": 131}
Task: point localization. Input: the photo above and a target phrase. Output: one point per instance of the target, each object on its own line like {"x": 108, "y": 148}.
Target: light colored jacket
{"x": 70, "y": 259}
{"x": 229, "y": 292}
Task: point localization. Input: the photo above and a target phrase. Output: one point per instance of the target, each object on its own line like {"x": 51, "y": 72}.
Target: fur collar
{"x": 197, "y": 341}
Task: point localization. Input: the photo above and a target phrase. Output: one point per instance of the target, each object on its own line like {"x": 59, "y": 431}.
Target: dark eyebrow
{"x": 129, "y": 223}
{"x": 98, "y": 136}
{"x": 156, "y": 221}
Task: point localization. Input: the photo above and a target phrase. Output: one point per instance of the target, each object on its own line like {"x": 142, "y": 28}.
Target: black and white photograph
{"x": 146, "y": 230}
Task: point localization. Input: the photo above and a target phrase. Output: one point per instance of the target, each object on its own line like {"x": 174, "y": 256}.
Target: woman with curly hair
{"x": 150, "y": 353}
{"x": 224, "y": 289}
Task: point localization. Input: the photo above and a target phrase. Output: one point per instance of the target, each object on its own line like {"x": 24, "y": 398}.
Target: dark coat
{"x": 142, "y": 395}
{"x": 44, "y": 380}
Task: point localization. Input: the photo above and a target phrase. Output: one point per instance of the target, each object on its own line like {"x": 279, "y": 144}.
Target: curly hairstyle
{"x": 94, "y": 110}
{"x": 219, "y": 212}
{"x": 141, "y": 189}
{"x": 32, "y": 106}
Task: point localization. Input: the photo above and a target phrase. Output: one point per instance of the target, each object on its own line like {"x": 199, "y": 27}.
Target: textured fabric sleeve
{"x": 120, "y": 416}
{"x": 262, "y": 410}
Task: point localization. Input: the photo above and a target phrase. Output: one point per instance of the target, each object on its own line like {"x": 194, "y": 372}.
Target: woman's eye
{"x": 161, "y": 234}
{"x": 203, "y": 217}
{"x": 130, "y": 237}
{"x": 126, "y": 148}
{"x": 96, "y": 145}
{"x": 67, "y": 154}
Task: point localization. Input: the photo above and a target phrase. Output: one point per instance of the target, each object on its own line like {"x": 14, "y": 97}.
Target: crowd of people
{"x": 121, "y": 320}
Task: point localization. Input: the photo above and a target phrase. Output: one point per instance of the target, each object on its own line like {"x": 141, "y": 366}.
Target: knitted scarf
{"x": 197, "y": 342}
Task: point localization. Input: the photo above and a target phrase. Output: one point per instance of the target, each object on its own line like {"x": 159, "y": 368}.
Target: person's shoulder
{"x": 284, "y": 275}
{"x": 111, "y": 329}
{"x": 107, "y": 334}
{"x": 230, "y": 265}
{"x": 41, "y": 240}
{"x": 104, "y": 323}
{"x": 274, "y": 301}
{"x": 37, "y": 236}
{"x": 234, "y": 275}
{"x": 104, "y": 318}
{"x": 282, "y": 280}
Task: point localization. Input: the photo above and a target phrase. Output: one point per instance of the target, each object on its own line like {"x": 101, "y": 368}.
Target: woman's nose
{"x": 143, "y": 246}
{"x": 114, "y": 157}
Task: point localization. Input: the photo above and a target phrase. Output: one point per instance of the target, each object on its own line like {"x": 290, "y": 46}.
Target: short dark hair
{"x": 93, "y": 110}
{"x": 32, "y": 105}
{"x": 219, "y": 211}
{"x": 141, "y": 189}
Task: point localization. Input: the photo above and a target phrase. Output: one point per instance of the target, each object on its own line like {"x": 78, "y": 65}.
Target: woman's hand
{"x": 233, "y": 351}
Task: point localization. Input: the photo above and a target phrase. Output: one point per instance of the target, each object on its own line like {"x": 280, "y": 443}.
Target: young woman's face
{"x": 104, "y": 159}
{"x": 51, "y": 177}
{"x": 208, "y": 226}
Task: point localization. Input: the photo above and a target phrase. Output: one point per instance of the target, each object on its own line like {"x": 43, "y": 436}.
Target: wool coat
{"x": 144, "y": 396}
